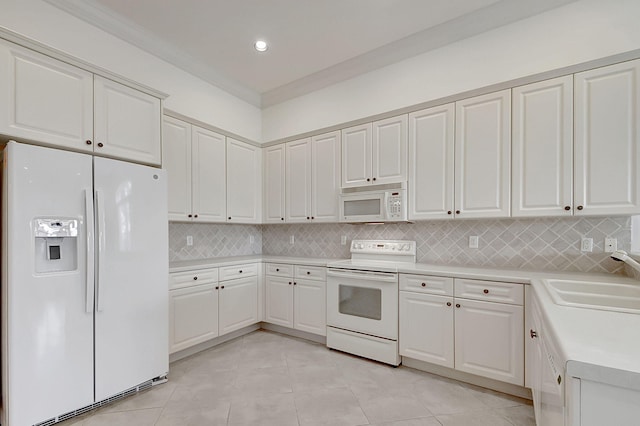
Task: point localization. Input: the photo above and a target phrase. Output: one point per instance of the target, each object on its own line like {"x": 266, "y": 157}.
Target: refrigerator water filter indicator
{"x": 56, "y": 247}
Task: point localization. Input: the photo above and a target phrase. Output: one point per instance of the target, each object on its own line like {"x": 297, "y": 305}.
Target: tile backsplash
{"x": 534, "y": 244}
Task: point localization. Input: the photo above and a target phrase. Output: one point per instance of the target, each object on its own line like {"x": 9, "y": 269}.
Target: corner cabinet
{"x": 244, "y": 182}
{"x": 53, "y": 103}
{"x": 375, "y": 153}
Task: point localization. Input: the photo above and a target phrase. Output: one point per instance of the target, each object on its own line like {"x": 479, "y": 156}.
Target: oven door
{"x": 363, "y": 301}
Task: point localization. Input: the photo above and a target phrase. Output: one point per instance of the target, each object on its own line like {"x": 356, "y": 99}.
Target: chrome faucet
{"x": 622, "y": 256}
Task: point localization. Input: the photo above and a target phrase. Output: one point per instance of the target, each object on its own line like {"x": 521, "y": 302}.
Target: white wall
{"x": 189, "y": 95}
{"x": 578, "y": 32}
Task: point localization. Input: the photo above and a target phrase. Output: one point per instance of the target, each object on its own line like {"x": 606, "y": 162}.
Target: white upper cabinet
{"x": 607, "y": 134}
{"x": 274, "y": 183}
{"x": 431, "y": 162}
{"x": 176, "y": 160}
{"x": 126, "y": 122}
{"x": 483, "y": 156}
{"x": 375, "y": 153}
{"x": 244, "y": 182}
{"x": 208, "y": 177}
{"x": 45, "y": 100}
{"x": 325, "y": 177}
{"x": 543, "y": 148}
{"x": 389, "y": 161}
{"x": 298, "y": 181}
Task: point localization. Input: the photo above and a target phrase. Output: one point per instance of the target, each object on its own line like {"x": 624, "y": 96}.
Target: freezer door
{"x": 47, "y": 307}
{"x": 131, "y": 320}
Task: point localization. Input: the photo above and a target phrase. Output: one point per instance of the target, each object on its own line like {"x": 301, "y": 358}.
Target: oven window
{"x": 360, "y": 301}
{"x": 362, "y": 207}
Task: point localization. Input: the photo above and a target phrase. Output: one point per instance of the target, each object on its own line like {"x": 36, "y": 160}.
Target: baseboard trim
{"x": 294, "y": 333}
{"x": 176, "y": 356}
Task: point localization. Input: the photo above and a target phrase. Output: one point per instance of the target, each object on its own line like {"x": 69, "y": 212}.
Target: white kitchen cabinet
{"x": 45, "y": 100}
{"x": 375, "y": 153}
{"x": 244, "y": 182}
{"x": 312, "y": 179}
{"x": 607, "y": 135}
{"x": 431, "y": 163}
{"x": 483, "y": 156}
{"x": 238, "y": 304}
{"x": 426, "y": 328}
{"x": 126, "y": 122}
{"x": 296, "y": 297}
{"x": 193, "y": 316}
{"x": 195, "y": 162}
{"x": 274, "y": 184}
{"x": 489, "y": 340}
{"x": 542, "y": 146}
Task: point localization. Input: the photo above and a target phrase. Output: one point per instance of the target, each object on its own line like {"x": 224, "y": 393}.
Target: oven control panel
{"x": 399, "y": 247}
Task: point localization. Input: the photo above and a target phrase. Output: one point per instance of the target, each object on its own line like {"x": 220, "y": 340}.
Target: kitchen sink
{"x": 595, "y": 295}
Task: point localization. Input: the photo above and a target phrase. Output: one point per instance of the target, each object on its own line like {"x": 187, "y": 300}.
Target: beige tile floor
{"x": 266, "y": 378}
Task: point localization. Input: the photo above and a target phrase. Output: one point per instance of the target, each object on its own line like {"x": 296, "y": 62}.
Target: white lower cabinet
{"x": 238, "y": 304}
{"x": 193, "y": 316}
{"x": 481, "y": 333}
{"x": 295, "y": 297}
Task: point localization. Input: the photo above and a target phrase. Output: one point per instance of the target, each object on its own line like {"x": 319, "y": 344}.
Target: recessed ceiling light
{"x": 261, "y": 45}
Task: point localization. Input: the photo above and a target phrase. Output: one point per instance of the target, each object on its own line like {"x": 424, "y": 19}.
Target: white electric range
{"x": 362, "y": 299}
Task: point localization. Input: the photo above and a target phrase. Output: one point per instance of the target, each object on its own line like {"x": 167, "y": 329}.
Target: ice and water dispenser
{"x": 56, "y": 244}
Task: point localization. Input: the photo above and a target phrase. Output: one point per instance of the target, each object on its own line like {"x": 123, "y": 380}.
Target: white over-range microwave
{"x": 386, "y": 203}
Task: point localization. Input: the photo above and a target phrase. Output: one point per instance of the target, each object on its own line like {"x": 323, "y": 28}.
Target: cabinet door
{"x": 279, "y": 301}
{"x": 44, "y": 100}
{"x": 298, "y": 181}
{"x": 489, "y": 340}
{"x": 607, "y": 135}
{"x": 244, "y": 182}
{"x": 208, "y": 176}
{"x": 483, "y": 158}
{"x": 176, "y": 160}
{"x": 274, "y": 184}
{"x": 426, "y": 328}
{"x": 238, "y": 304}
{"x": 325, "y": 177}
{"x": 310, "y": 306}
{"x": 356, "y": 156}
{"x": 431, "y": 140}
{"x": 389, "y": 150}
{"x": 193, "y": 316}
{"x": 126, "y": 122}
{"x": 543, "y": 148}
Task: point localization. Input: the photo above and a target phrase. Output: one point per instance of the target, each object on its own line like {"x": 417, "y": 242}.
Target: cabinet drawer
{"x": 238, "y": 271}
{"x": 318, "y": 273}
{"x": 442, "y": 286}
{"x": 493, "y": 291}
{"x": 191, "y": 278}
{"x": 280, "y": 270}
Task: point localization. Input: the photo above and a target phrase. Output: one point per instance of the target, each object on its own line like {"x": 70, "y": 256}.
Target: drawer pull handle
{"x": 423, "y": 284}
{"x": 195, "y": 278}
{"x": 533, "y": 333}
{"x": 485, "y": 291}
{"x": 457, "y": 305}
{"x": 448, "y": 303}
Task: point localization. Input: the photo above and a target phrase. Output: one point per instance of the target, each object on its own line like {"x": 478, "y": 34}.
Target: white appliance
{"x": 84, "y": 282}
{"x": 362, "y": 299}
{"x": 388, "y": 203}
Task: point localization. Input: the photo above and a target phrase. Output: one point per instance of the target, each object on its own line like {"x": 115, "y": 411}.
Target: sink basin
{"x": 595, "y": 295}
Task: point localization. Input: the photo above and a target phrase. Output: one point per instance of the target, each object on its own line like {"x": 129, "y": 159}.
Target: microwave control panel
{"x": 394, "y": 205}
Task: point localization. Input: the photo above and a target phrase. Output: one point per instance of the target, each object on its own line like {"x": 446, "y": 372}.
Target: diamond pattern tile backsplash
{"x": 533, "y": 244}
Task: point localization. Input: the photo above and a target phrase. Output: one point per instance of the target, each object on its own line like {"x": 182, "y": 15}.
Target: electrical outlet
{"x": 610, "y": 245}
{"x": 473, "y": 241}
{"x": 343, "y": 240}
{"x": 292, "y": 239}
{"x": 586, "y": 245}
{"x": 189, "y": 240}
{"x": 252, "y": 239}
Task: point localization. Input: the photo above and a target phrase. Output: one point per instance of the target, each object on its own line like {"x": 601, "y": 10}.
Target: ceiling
{"x": 312, "y": 43}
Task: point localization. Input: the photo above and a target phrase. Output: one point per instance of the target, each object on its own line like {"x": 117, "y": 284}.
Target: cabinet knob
{"x": 229, "y": 217}
{"x": 485, "y": 291}
{"x": 100, "y": 144}
{"x": 457, "y": 211}
{"x": 457, "y": 305}
{"x": 240, "y": 271}
{"x": 448, "y": 303}
{"x": 368, "y": 180}
{"x": 277, "y": 269}
{"x": 580, "y": 207}
{"x": 374, "y": 179}
{"x": 282, "y": 218}
{"x": 195, "y": 215}
{"x": 559, "y": 379}
{"x": 308, "y": 272}
{"x": 294, "y": 283}
{"x": 289, "y": 282}
{"x": 533, "y": 333}
{"x": 312, "y": 217}
{"x": 189, "y": 215}
{"x": 88, "y": 142}
{"x": 195, "y": 278}
{"x": 449, "y": 212}
{"x": 221, "y": 287}
{"x": 567, "y": 208}
{"x": 217, "y": 288}
{"x": 308, "y": 218}
{"x": 423, "y": 284}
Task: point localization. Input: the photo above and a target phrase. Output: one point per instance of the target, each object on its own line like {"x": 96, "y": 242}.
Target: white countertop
{"x": 191, "y": 265}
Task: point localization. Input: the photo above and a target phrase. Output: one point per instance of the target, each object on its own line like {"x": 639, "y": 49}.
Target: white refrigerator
{"x": 84, "y": 281}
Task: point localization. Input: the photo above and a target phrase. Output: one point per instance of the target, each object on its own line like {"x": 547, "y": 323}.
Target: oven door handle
{"x": 367, "y": 275}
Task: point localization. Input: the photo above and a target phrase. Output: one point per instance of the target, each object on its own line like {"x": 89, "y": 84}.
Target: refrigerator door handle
{"x": 88, "y": 212}
{"x": 100, "y": 219}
